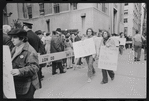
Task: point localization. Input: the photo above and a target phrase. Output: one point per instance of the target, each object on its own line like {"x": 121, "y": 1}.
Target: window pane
{"x": 64, "y": 7}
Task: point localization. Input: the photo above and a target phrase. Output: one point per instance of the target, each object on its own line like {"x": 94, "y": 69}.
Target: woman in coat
{"x": 25, "y": 65}
{"x": 89, "y": 59}
{"x": 108, "y": 42}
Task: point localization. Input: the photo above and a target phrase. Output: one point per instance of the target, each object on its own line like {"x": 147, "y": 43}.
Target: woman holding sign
{"x": 25, "y": 65}
{"x": 108, "y": 42}
{"x": 90, "y": 59}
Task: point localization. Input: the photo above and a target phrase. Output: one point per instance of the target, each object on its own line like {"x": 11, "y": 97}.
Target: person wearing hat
{"x": 25, "y": 65}
{"x": 33, "y": 40}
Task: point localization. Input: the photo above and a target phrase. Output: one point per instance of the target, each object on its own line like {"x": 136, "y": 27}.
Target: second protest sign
{"x": 108, "y": 58}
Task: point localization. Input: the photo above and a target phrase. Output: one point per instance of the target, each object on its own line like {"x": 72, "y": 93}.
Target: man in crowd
{"x": 138, "y": 40}
{"x": 6, "y": 38}
{"x": 33, "y": 40}
{"x": 57, "y": 46}
{"x": 41, "y": 51}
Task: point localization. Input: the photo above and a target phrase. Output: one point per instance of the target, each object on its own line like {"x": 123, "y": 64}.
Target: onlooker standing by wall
{"x": 137, "y": 44}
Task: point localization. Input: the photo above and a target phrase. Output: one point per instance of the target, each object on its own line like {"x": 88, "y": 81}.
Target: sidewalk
{"x": 129, "y": 82}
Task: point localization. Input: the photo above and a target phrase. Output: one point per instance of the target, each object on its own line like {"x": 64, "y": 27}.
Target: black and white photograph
{"x": 74, "y": 50}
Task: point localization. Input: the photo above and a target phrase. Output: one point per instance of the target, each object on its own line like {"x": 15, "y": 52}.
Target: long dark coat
{"x": 27, "y": 62}
{"x": 33, "y": 40}
{"x": 56, "y": 45}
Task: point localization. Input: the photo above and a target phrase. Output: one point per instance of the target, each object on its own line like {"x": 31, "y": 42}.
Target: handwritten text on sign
{"x": 116, "y": 40}
{"x": 122, "y": 41}
{"x": 108, "y": 58}
{"x": 84, "y": 48}
{"x": 8, "y": 82}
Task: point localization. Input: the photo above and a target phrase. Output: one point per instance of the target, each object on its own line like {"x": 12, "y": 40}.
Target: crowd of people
{"x": 25, "y": 46}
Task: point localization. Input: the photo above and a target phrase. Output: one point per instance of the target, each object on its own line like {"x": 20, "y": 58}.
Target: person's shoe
{"x": 135, "y": 59}
{"x": 89, "y": 80}
{"x": 68, "y": 68}
{"x": 71, "y": 67}
{"x": 63, "y": 72}
{"x": 42, "y": 76}
{"x": 103, "y": 82}
{"x": 54, "y": 73}
{"x": 138, "y": 60}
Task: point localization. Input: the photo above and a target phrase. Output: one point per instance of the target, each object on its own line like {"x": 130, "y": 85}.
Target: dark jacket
{"x": 77, "y": 38}
{"x": 7, "y": 41}
{"x": 33, "y": 40}
{"x": 56, "y": 44}
{"x": 27, "y": 63}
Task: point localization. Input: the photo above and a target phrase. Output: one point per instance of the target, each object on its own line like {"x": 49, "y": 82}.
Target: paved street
{"x": 129, "y": 82}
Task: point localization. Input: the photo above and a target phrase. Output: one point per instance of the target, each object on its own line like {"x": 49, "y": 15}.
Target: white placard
{"x": 122, "y": 41}
{"x": 108, "y": 58}
{"x": 8, "y": 81}
{"x": 116, "y": 40}
{"x": 84, "y": 48}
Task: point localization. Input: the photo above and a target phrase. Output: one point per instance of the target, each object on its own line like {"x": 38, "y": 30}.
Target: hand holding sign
{"x": 15, "y": 72}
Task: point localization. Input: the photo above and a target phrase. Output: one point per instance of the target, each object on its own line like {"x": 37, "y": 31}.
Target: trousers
{"x": 69, "y": 62}
{"x": 91, "y": 70}
{"x": 137, "y": 49}
{"x": 57, "y": 65}
{"x": 105, "y": 76}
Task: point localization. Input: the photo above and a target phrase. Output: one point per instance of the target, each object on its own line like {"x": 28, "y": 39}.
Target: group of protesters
{"x": 25, "y": 46}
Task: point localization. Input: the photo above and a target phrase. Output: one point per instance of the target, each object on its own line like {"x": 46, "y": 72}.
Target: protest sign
{"x": 84, "y": 48}
{"x": 122, "y": 41}
{"x": 116, "y": 40}
{"x": 8, "y": 81}
{"x": 108, "y": 58}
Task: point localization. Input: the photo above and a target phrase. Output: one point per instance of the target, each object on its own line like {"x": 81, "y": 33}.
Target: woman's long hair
{"x": 108, "y": 34}
{"x": 91, "y": 30}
